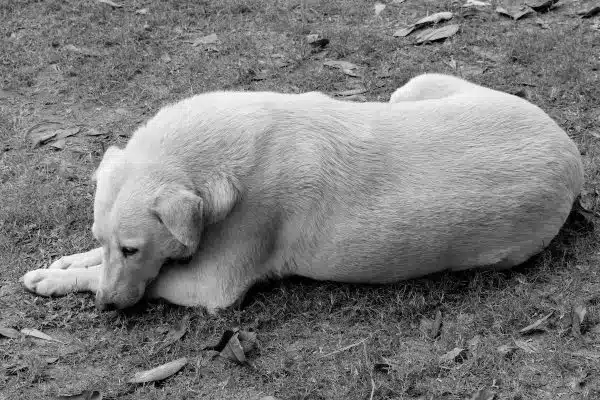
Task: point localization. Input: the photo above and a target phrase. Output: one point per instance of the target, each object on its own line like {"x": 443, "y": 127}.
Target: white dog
{"x": 245, "y": 186}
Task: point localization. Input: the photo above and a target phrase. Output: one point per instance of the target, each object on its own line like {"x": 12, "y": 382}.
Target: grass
{"x": 143, "y": 62}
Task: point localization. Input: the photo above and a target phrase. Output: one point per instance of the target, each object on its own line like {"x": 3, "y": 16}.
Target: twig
{"x": 370, "y": 371}
{"x": 344, "y": 348}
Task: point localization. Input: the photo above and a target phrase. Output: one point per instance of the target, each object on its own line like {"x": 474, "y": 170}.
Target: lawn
{"x": 91, "y": 72}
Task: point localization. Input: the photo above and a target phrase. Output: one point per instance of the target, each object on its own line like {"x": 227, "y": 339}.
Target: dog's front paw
{"x": 47, "y": 282}
{"x": 79, "y": 260}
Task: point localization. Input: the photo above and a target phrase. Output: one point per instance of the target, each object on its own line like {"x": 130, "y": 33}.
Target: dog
{"x": 224, "y": 189}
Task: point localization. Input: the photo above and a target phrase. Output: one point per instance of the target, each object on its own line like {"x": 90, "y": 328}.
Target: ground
{"x": 98, "y": 70}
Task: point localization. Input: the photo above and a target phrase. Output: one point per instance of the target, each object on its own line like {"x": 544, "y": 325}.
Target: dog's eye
{"x": 128, "y": 251}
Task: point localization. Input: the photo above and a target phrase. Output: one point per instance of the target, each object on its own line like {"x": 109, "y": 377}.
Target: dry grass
{"x": 46, "y": 200}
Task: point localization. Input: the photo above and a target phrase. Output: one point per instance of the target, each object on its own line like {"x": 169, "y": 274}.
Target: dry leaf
{"x": 484, "y": 394}
{"x": 398, "y": 1}
{"x": 39, "y": 335}
{"x": 142, "y": 11}
{"x": 86, "y": 395}
{"x": 542, "y": 6}
{"x": 476, "y": 3}
{"x": 516, "y": 15}
{"x": 379, "y": 7}
{"x": 46, "y": 131}
{"x": 166, "y": 58}
{"x": 589, "y": 354}
{"x": 248, "y": 340}
{"x": 159, "y": 373}
{"x": 436, "y": 326}
{"x": 110, "y": 3}
{"x": 589, "y": 13}
{"x": 433, "y": 19}
{"x": 537, "y": 325}
{"x": 84, "y": 51}
{"x": 541, "y": 23}
{"x": 233, "y": 350}
{"x": 351, "y": 92}
{"x": 577, "y": 317}
{"x": 526, "y": 346}
{"x": 346, "y": 67}
{"x": 457, "y": 354}
{"x": 9, "y": 332}
{"x": 432, "y": 35}
{"x": 93, "y": 132}
{"x": 42, "y": 132}
{"x": 506, "y": 350}
{"x": 175, "y": 334}
{"x": 59, "y": 144}
{"x": 204, "y": 40}
{"x": 405, "y": 31}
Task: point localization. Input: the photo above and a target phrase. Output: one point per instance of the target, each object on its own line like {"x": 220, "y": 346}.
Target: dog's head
{"x": 142, "y": 218}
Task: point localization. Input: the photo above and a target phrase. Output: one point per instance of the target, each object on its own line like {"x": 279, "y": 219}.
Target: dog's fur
{"x": 448, "y": 175}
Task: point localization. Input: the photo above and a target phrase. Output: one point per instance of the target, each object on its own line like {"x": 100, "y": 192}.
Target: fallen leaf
{"x": 166, "y": 58}
{"x": 50, "y": 360}
{"x": 84, "y": 51}
{"x": 483, "y": 394}
{"x": 476, "y": 3}
{"x": 233, "y": 350}
{"x": 541, "y": 23}
{"x": 248, "y": 340}
{"x": 398, "y": 1}
{"x": 110, "y": 3}
{"x": 9, "y": 332}
{"x": 159, "y": 373}
{"x": 436, "y": 326}
{"x": 433, "y": 19}
{"x": 542, "y": 6}
{"x": 58, "y": 144}
{"x": 269, "y": 398}
{"x": 346, "y": 67}
{"x": 204, "y": 40}
{"x": 39, "y": 335}
{"x": 383, "y": 367}
{"x": 93, "y": 132}
{"x": 506, "y": 350}
{"x": 177, "y": 333}
{"x": 351, "y": 92}
{"x": 589, "y": 354}
{"x": 577, "y": 317}
{"x": 526, "y": 346}
{"x": 516, "y": 15}
{"x": 379, "y": 7}
{"x": 576, "y": 384}
{"x": 405, "y": 31}
{"x": 315, "y": 41}
{"x": 42, "y": 132}
{"x": 537, "y": 325}
{"x": 590, "y": 12}
{"x": 46, "y": 131}
{"x": 142, "y": 11}
{"x": 457, "y": 354}
{"x": 86, "y": 395}
{"x": 432, "y": 35}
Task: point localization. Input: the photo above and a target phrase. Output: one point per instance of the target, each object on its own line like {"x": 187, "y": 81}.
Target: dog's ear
{"x": 181, "y": 212}
{"x": 111, "y": 155}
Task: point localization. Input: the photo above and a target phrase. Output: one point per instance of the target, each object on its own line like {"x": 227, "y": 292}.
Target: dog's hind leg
{"x": 79, "y": 260}
{"x": 429, "y": 86}
{"x": 59, "y": 282}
